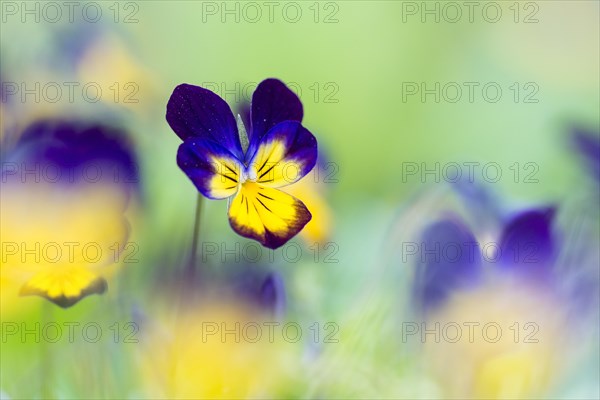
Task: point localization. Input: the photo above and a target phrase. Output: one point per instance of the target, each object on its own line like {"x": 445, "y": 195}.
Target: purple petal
{"x": 212, "y": 168}
{"x": 588, "y": 145}
{"x": 72, "y": 41}
{"x": 195, "y": 112}
{"x": 272, "y": 103}
{"x": 244, "y": 112}
{"x": 272, "y": 294}
{"x": 284, "y": 155}
{"x": 527, "y": 244}
{"x": 265, "y": 290}
{"x": 448, "y": 258}
{"x": 480, "y": 201}
{"x": 76, "y": 151}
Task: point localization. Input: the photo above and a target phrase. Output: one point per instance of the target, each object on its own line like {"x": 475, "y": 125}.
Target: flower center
{"x": 249, "y": 174}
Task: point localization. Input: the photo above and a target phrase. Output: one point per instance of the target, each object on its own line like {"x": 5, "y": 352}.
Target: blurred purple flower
{"x": 70, "y": 152}
{"x": 452, "y": 258}
{"x": 264, "y": 290}
{"x": 66, "y": 182}
{"x": 443, "y": 273}
{"x": 71, "y": 43}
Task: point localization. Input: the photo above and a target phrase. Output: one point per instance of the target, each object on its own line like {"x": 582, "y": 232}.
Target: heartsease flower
{"x": 522, "y": 283}
{"x": 526, "y": 248}
{"x": 279, "y": 151}
{"x": 312, "y": 190}
{"x": 66, "y": 186}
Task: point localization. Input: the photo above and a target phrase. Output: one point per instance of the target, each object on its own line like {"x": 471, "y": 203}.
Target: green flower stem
{"x": 191, "y": 266}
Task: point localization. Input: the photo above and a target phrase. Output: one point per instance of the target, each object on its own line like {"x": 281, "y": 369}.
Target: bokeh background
{"x": 352, "y": 64}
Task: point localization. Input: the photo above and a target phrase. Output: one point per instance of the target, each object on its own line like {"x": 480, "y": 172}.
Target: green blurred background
{"x": 350, "y": 62}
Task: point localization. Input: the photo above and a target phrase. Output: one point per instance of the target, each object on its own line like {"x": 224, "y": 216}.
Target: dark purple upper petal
{"x": 195, "y": 112}
{"x": 244, "y": 112}
{"x": 272, "y": 102}
{"x": 588, "y": 145}
{"x": 527, "y": 244}
{"x": 448, "y": 258}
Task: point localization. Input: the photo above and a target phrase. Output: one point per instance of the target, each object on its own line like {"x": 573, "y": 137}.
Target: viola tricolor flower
{"x": 216, "y": 157}
{"x": 313, "y": 192}
{"x": 521, "y": 285}
{"x": 182, "y": 358}
{"x": 526, "y": 248}
{"x": 65, "y": 189}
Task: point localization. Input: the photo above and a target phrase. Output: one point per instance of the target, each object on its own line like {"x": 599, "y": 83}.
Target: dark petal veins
{"x": 203, "y": 160}
{"x": 527, "y": 244}
{"x": 300, "y": 147}
{"x": 272, "y": 219}
{"x": 195, "y": 112}
{"x": 448, "y": 258}
{"x": 272, "y": 102}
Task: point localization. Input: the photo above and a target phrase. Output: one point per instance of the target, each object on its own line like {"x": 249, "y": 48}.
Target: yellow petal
{"x": 267, "y": 215}
{"x": 64, "y": 287}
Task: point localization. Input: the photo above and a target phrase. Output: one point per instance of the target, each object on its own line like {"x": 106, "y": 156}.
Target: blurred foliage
{"x": 350, "y": 74}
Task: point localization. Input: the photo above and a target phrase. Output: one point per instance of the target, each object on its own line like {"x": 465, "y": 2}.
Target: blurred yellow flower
{"x": 65, "y": 190}
{"x": 499, "y": 341}
{"x": 111, "y": 65}
{"x": 215, "y": 351}
{"x": 311, "y": 189}
{"x": 58, "y": 242}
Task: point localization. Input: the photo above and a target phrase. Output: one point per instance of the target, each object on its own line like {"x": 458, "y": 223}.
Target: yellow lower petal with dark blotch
{"x": 64, "y": 287}
{"x": 267, "y": 215}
